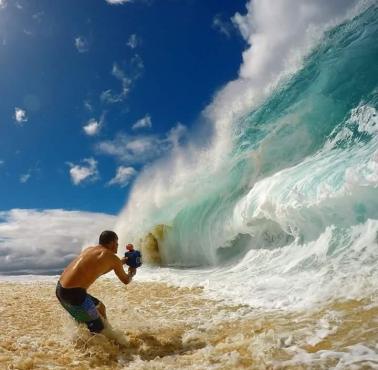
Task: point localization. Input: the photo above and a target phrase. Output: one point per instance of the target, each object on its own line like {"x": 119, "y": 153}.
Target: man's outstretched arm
{"x": 120, "y": 272}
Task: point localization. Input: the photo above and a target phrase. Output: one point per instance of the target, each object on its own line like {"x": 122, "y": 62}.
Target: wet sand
{"x": 156, "y": 326}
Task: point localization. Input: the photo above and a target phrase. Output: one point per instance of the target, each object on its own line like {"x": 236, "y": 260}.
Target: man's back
{"x": 87, "y": 267}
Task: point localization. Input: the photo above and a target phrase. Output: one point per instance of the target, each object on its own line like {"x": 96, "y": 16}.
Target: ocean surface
{"x": 261, "y": 255}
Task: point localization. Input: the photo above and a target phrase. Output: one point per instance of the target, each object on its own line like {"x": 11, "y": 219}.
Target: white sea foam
{"x": 351, "y": 358}
{"x": 291, "y": 277}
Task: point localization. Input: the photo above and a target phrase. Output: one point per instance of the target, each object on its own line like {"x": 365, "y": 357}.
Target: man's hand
{"x": 119, "y": 271}
{"x": 123, "y": 260}
{"x": 132, "y": 271}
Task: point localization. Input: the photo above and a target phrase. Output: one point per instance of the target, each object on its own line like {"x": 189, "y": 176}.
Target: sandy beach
{"x": 156, "y": 326}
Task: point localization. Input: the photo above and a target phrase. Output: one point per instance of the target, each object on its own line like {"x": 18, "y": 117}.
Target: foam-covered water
{"x": 155, "y": 326}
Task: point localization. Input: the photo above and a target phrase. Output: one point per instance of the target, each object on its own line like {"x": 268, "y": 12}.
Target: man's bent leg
{"x": 84, "y": 311}
{"x": 95, "y": 326}
{"x": 99, "y": 306}
{"x": 101, "y": 309}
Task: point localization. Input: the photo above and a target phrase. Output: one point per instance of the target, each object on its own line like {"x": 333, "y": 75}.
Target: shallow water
{"x": 156, "y": 326}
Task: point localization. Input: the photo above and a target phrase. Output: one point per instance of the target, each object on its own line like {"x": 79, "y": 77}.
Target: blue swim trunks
{"x": 81, "y": 306}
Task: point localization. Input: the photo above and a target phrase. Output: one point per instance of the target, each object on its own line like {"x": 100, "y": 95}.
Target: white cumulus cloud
{"x": 108, "y": 96}
{"x": 144, "y": 122}
{"x": 87, "y": 172}
{"x": 141, "y": 148}
{"x": 135, "y": 68}
{"x": 20, "y": 115}
{"x": 25, "y": 178}
{"x": 123, "y": 176}
{"x": 118, "y": 2}
{"x": 130, "y": 149}
{"x": 38, "y": 16}
{"x": 88, "y": 105}
{"x": 45, "y": 241}
{"x": 92, "y": 127}
{"x": 120, "y": 75}
{"x": 133, "y": 41}
{"x": 82, "y": 44}
{"x": 223, "y": 26}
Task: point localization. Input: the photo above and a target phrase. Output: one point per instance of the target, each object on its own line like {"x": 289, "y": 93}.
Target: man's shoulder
{"x": 110, "y": 256}
{"x": 89, "y": 249}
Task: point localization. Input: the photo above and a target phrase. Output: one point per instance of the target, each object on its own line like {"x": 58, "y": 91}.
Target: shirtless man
{"x": 80, "y": 274}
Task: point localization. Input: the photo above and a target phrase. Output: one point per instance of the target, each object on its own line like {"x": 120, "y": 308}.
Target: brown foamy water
{"x": 156, "y": 326}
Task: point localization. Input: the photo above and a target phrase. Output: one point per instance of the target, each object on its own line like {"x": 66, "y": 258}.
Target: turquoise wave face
{"x": 305, "y": 160}
{"x": 337, "y": 77}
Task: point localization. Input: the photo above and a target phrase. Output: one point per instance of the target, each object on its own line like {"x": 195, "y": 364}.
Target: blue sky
{"x": 91, "y": 92}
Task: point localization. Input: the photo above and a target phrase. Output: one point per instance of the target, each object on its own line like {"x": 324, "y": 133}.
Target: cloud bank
{"x": 44, "y": 242}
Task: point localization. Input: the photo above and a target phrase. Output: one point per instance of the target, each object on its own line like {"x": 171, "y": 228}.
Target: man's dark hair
{"x": 107, "y": 237}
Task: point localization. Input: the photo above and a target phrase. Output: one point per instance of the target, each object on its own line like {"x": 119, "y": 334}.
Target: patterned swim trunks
{"x": 81, "y": 306}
